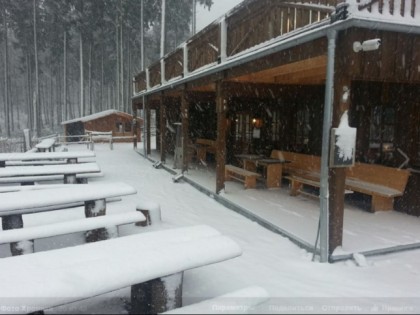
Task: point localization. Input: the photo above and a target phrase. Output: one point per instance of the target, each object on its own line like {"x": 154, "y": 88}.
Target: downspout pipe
{"x": 328, "y": 109}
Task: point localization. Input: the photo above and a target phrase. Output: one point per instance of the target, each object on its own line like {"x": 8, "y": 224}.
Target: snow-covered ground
{"x": 296, "y": 284}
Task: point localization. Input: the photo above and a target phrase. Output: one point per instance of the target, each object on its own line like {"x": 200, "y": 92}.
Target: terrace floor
{"x": 297, "y": 217}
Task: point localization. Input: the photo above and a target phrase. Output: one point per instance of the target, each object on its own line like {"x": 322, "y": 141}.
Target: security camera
{"x": 368, "y": 45}
{"x": 371, "y": 44}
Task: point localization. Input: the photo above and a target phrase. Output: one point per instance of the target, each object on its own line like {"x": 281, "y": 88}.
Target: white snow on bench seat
{"x": 47, "y": 279}
{"x": 27, "y": 201}
{"x": 64, "y": 169}
{"x": 43, "y": 178}
{"x": 61, "y": 228}
{"x": 45, "y": 155}
{"x": 238, "y": 302}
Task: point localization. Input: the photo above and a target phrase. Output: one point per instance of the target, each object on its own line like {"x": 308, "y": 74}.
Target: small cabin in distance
{"x": 121, "y": 124}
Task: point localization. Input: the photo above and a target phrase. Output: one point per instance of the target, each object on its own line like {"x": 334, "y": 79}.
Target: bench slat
{"x": 40, "y": 178}
{"x": 61, "y": 228}
{"x": 80, "y": 272}
{"x": 30, "y": 201}
{"x": 49, "y": 170}
{"x": 45, "y": 155}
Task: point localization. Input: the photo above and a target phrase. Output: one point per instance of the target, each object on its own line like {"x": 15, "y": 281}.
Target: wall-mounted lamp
{"x": 367, "y": 45}
{"x": 257, "y": 122}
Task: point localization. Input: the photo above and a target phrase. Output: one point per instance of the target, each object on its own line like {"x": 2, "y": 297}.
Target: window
{"x": 382, "y": 133}
{"x": 302, "y": 126}
{"x": 275, "y": 126}
{"x": 243, "y": 131}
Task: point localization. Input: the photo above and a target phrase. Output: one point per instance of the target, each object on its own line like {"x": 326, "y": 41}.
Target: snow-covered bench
{"x": 68, "y": 171}
{"x": 46, "y": 145}
{"x": 75, "y": 273}
{"x": 241, "y": 301}
{"x": 26, "y": 201}
{"x": 382, "y": 183}
{"x": 7, "y": 159}
{"x": 100, "y": 136}
{"x": 247, "y": 177}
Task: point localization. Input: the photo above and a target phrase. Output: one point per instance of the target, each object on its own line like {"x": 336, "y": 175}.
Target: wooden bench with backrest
{"x": 76, "y": 273}
{"x": 247, "y": 177}
{"x": 382, "y": 183}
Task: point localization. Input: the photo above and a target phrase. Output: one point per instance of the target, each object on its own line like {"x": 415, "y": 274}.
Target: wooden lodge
{"x": 278, "y": 67}
{"x": 119, "y": 123}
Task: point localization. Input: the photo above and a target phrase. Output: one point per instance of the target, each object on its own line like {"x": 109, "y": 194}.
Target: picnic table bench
{"x": 27, "y": 201}
{"x": 382, "y": 183}
{"x": 46, "y": 145}
{"x": 7, "y": 159}
{"x": 247, "y": 177}
{"x": 69, "y": 172}
{"x": 75, "y": 273}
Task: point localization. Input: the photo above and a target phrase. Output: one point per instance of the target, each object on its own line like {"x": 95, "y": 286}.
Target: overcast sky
{"x": 219, "y": 7}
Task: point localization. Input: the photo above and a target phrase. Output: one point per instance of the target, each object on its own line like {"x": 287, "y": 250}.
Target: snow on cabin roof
{"x": 96, "y": 116}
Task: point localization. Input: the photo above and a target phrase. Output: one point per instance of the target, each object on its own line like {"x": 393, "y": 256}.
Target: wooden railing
{"x": 403, "y": 8}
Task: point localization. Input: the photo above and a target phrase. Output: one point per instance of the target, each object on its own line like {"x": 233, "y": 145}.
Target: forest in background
{"x": 62, "y": 59}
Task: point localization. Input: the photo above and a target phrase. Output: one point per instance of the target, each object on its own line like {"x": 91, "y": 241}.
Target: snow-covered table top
{"x": 63, "y": 169}
{"x": 46, "y": 143}
{"x": 51, "y": 278}
{"x": 29, "y": 201}
{"x": 46, "y": 155}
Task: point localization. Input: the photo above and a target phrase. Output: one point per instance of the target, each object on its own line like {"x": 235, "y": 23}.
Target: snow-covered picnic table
{"x": 70, "y": 157}
{"x": 43, "y": 280}
{"x": 18, "y": 174}
{"x": 32, "y": 201}
{"x": 46, "y": 144}
{"x": 94, "y": 197}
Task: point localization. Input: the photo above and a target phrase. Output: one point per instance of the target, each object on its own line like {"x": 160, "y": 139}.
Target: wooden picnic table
{"x": 68, "y": 170}
{"x": 273, "y": 168}
{"x": 46, "y": 144}
{"x": 15, "y": 204}
{"x": 70, "y": 156}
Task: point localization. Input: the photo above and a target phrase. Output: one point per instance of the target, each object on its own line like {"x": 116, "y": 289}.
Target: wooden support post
{"x": 158, "y": 295}
{"x": 185, "y": 128}
{"x": 162, "y": 129}
{"x": 135, "y": 128}
{"x": 221, "y": 109}
{"x": 2, "y": 163}
{"x": 337, "y": 176}
{"x": 96, "y": 208}
{"x": 16, "y": 222}
{"x": 148, "y": 126}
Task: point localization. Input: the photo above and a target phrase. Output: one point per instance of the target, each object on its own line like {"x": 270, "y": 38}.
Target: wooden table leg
{"x": 96, "y": 208}
{"x": 16, "y": 222}
{"x": 273, "y": 176}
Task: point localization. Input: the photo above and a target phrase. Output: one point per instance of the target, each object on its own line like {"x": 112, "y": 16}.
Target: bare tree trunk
{"x": 6, "y": 75}
{"x": 82, "y": 97}
{"x": 122, "y": 106}
{"x": 117, "y": 81}
{"x": 102, "y": 80}
{"x": 90, "y": 80}
{"x": 29, "y": 91}
{"x": 37, "y": 112}
{"x": 163, "y": 30}
{"x": 66, "y": 107}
